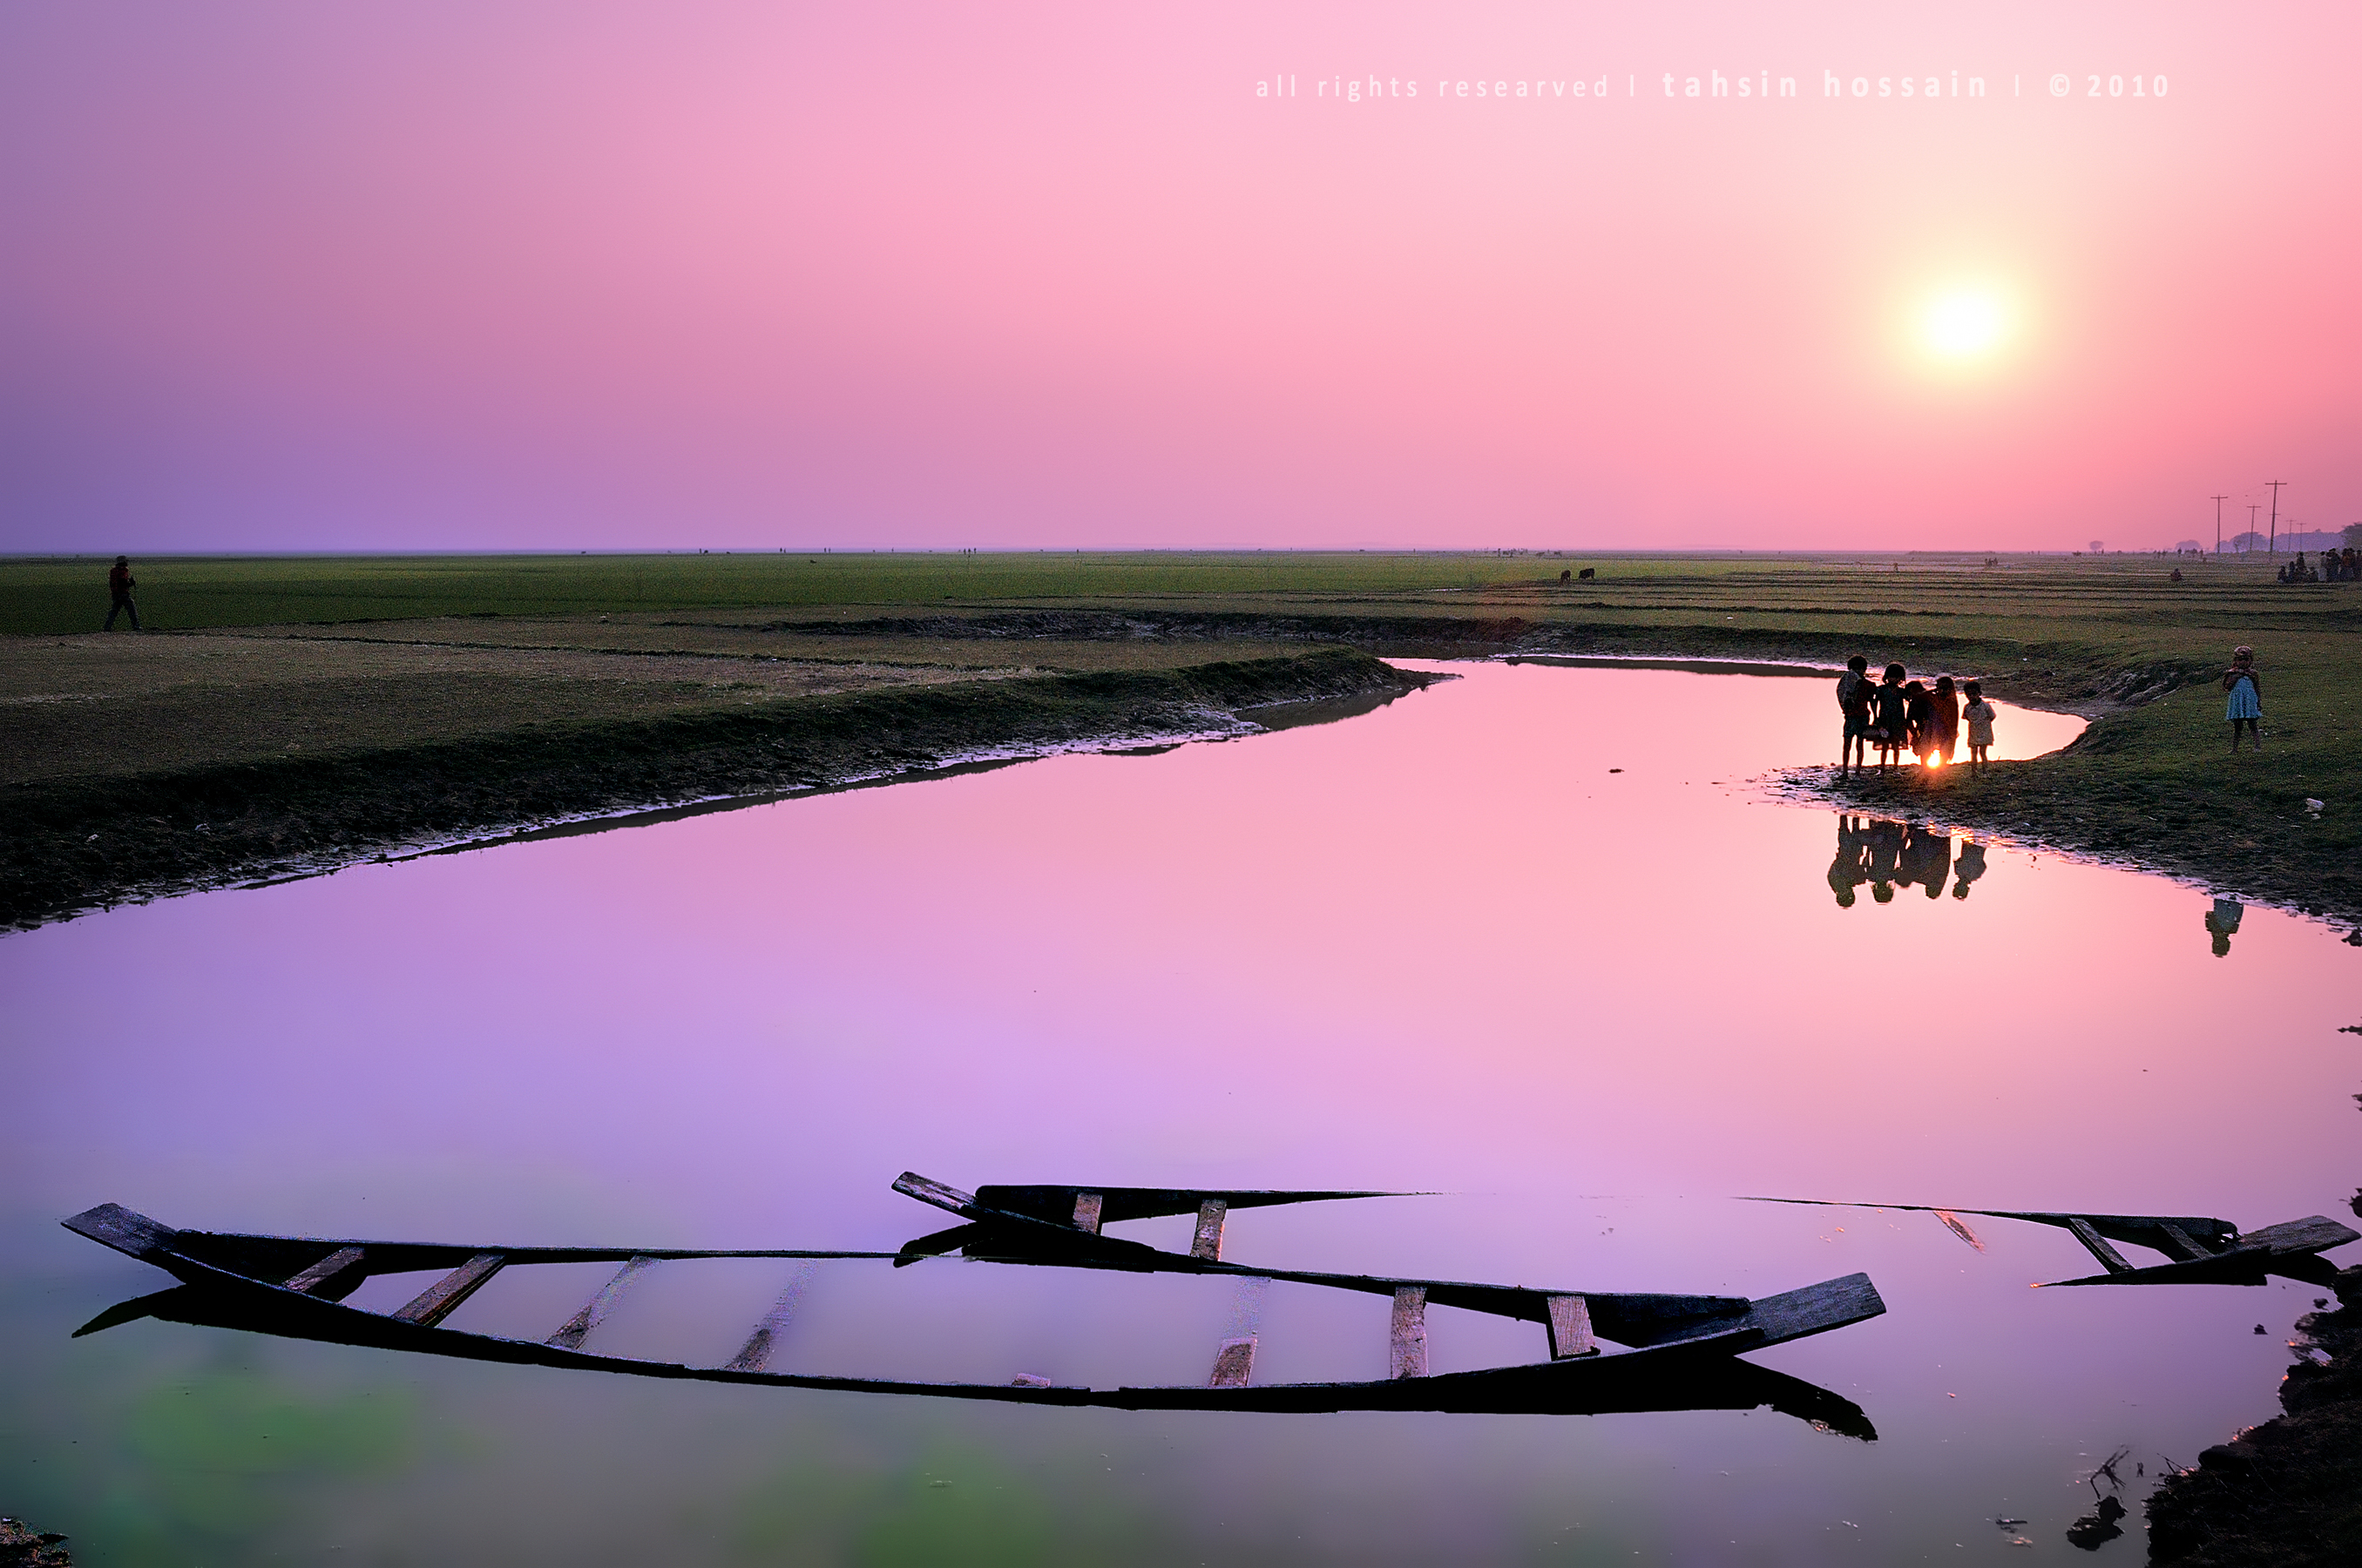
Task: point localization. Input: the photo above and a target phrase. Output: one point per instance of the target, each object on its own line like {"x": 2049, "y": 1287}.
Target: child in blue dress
{"x": 2246, "y": 708}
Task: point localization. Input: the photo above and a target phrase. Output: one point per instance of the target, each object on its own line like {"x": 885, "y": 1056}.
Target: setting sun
{"x": 1963, "y": 325}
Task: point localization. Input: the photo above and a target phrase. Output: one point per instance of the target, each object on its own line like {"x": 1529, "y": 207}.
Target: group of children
{"x": 1893, "y": 715}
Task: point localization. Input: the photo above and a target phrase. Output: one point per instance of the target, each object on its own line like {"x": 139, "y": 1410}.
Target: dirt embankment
{"x": 2287, "y": 1494}
{"x": 2174, "y": 831}
{"x": 75, "y": 844}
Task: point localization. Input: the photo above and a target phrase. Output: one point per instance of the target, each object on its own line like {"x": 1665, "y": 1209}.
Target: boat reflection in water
{"x": 1887, "y": 855}
{"x": 1683, "y": 1355}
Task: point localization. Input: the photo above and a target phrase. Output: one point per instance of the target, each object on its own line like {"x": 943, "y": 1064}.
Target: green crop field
{"x": 54, "y": 594}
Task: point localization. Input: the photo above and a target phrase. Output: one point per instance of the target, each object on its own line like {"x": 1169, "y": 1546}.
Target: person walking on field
{"x": 2246, "y": 708}
{"x": 119, "y": 584}
{"x": 1980, "y": 716}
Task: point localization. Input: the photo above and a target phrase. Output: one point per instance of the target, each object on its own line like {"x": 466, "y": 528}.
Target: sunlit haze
{"x": 535, "y": 275}
{"x": 1964, "y": 325}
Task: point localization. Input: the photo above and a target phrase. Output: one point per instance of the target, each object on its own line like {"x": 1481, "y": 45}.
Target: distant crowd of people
{"x": 2336, "y": 566}
{"x": 1896, "y": 716}
{"x": 1884, "y": 856}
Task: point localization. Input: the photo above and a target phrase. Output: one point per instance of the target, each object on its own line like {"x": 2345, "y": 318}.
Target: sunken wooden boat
{"x": 2202, "y": 1250}
{"x": 1679, "y": 1352}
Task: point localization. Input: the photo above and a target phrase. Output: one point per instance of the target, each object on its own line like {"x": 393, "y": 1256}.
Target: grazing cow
{"x": 1566, "y": 577}
{"x": 1585, "y": 574}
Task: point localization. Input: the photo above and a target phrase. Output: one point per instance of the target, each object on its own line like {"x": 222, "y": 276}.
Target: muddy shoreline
{"x": 78, "y": 845}
{"x": 2288, "y": 1493}
{"x": 2032, "y": 805}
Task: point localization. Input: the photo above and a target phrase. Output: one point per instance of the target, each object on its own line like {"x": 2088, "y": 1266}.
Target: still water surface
{"x": 1439, "y": 947}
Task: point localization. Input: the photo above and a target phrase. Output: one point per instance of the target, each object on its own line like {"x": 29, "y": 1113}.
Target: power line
{"x": 2218, "y": 500}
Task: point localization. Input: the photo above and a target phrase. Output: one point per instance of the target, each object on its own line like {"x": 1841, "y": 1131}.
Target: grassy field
{"x": 2111, "y": 636}
{"x": 69, "y": 593}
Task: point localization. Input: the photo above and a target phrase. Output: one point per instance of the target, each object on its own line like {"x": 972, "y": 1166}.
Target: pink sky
{"x": 489, "y": 276}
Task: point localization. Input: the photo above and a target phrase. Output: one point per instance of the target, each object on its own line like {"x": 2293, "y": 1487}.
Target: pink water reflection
{"x": 1442, "y": 946}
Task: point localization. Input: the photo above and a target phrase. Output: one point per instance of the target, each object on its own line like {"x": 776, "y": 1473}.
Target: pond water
{"x": 1442, "y": 947}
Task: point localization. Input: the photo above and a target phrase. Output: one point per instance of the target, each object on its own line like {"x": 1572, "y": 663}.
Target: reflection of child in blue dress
{"x": 2223, "y": 923}
{"x": 2246, "y": 708}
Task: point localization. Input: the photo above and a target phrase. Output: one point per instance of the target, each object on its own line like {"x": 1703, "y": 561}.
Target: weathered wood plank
{"x": 1570, "y": 1328}
{"x": 440, "y": 1299}
{"x": 755, "y": 1354}
{"x": 911, "y": 1184}
{"x": 578, "y": 1328}
{"x": 1814, "y": 1308}
{"x": 1233, "y": 1364}
{"x": 1086, "y": 1212}
{"x": 1207, "y": 1242}
{"x": 126, "y": 1230}
{"x": 326, "y": 1269}
{"x": 2317, "y": 1234}
{"x": 2093, "y": 1242}
{"x": 1406, "y": 1334}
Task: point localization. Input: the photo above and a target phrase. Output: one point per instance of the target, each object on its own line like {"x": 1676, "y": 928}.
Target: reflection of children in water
{"x": 1885, "y": 859}
{"x": 1967, "y": 868}
{"x": 1891, "y": 855}
{"x": 1850, "y": 870}
{"x": 2222, "y": 921}
{"x": 1930, "y": 857}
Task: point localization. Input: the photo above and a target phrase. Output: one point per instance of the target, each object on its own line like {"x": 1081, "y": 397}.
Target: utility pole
{"x": 2253, "y": 507}
{"x": 2275, "y": 513}
{"x": 2218, "y": 500}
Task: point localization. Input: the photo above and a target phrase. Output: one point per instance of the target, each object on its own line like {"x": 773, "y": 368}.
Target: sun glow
{"x": 1964, "y": 323}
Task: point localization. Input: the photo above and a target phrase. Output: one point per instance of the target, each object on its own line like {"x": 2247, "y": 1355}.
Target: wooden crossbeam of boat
{"x": 755, "y": 1354}
{"x": 1234, "y": 1364}
{"x": 576, "y": 1328}
{"x": 1570, "y": 1327}
{"x": 1206, "y": 1238}
{"x": 2097, "y": 1246}
{"x": 322, "y": 1278}
{"x": 443, "y": 1297}
{"x": 1407, "y": 1332}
